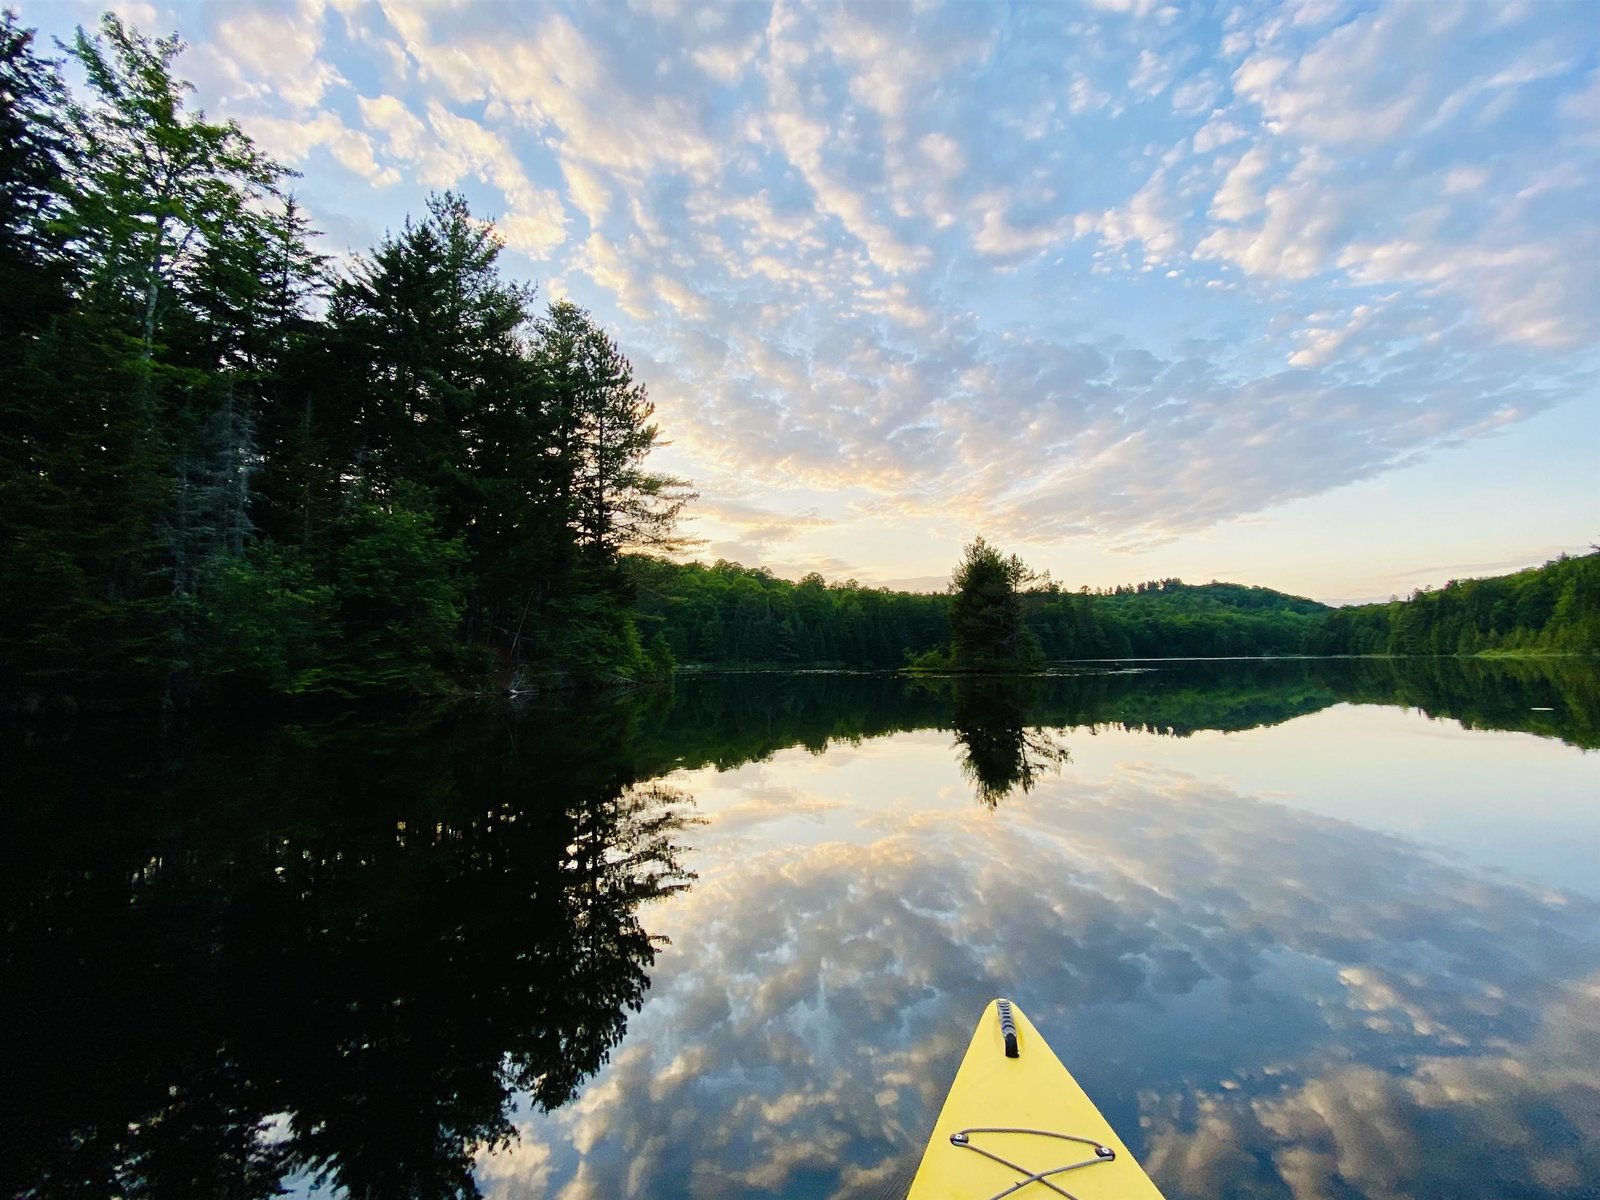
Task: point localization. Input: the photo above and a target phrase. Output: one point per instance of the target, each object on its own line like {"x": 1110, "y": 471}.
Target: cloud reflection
{"x": 1266, "y": 1001}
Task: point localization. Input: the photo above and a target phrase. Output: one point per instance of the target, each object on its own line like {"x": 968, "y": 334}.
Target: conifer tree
{"x": 204, "y": 478}
{"x": 603, "y": 435}
{"x": 986, "y": 626}
{"x": 36, "y": 154}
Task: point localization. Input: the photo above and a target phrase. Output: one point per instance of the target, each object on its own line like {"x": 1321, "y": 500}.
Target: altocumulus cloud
{"x": 1123, "y": 269}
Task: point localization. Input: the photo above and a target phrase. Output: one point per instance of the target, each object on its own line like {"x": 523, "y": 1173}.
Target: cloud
{"x": 534, "y": 220}
{"x": 745, "y": 533}
{"x": 293, "y": 139}
{"x": 997, "y": 236}
{"x": 1358, "y": 134}
{"x": 1321, "y": 344}
{"x": 1214, "y": 134}
{"x": 1355, "y": 1127}
{"x": 1075, "y": 272}
{"x": 259, "y": 52}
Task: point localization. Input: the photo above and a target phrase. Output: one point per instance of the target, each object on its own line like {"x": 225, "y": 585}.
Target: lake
{"x": 1301, "y": 928}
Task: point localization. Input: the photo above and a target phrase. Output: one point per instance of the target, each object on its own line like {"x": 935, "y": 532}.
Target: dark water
{"x": 1302, "y": 930}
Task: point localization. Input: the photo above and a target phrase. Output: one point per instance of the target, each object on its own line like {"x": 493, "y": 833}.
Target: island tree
{"x": 987, "y": 631}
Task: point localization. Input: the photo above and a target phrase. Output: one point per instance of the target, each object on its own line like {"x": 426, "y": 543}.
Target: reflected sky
{"x": 1354, "y": 954}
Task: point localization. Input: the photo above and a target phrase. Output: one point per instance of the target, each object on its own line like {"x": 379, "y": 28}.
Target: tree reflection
{"x": 731, "y": 719}
{"x": 1000, "y": 753}
{"x": 1557, "y": 696}
{"x": 234, "y": 955}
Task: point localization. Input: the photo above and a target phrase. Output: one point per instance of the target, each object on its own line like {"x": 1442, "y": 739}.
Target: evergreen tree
{"x": 986, "y": 626}
{"x": 434, "y": 331}
{"x": 160, "y": 186}
{"x": 603, "y": 433}
{"x": 436, "y": 392}
{"x": 204, "y": 481}
{"x": 41, "y": 582}
{"x": 152, "y": 444}
{"x": 36, "y": 154}
{"x": 296, "y": 490}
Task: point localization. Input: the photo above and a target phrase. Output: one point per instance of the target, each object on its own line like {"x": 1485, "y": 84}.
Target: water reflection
{"x": 726, "y": 720}
{"x": 1267, "y": 1002}
{"x": 397, "y": 952}
{"x": 1000, "y": 752}
{"x": 323, "y": 950}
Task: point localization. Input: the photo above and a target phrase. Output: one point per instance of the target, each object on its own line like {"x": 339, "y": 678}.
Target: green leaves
{"x": 159, "y": 188}
{"x": 1553, "y": 609}
{"x": 205, "y": 490}
{"x": 401, "y": 593}
{"x": 271, "y": 623}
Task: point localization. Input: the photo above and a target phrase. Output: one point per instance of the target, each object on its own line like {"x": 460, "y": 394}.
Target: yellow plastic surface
{"x": 1032, "y": 1091}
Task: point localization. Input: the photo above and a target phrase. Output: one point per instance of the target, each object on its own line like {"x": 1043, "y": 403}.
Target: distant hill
{"x": 1169, "y": 618}
{"x": 725, "y": 614}
{"x": 1175, "y": 596}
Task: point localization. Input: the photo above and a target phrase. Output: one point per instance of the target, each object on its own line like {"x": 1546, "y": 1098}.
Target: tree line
{"x": 724, "y": 614}
{"x": 1550, "y": 609}
{"x": 227, "y": 466}
{"x": 1000, "y": 615}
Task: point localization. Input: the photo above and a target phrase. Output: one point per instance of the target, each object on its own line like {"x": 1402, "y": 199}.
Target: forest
{"x": 725, "y": 614}
{"x": 230, "y": 469}
{"x": 1550, "y": 609}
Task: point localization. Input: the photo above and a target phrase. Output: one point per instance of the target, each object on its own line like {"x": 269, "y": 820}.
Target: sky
{"x": 1301, "y": 294}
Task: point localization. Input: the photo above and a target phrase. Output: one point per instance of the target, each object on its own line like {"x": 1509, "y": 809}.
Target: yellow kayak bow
{"x": 1016, "y": 1121}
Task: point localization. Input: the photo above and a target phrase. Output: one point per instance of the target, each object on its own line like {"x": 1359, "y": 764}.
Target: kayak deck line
{"x": 1101, "y": 1154}
{"x": 1013, "y": 1093}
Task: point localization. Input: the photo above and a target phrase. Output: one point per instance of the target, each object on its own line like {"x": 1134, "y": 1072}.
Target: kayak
{"x": 1015, "y": 1121}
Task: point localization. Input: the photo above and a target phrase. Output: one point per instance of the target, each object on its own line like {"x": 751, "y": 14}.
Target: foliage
{"x": 1550, "y": 609}
{"x": 1169, "y": 619}
{"x": 728, "y": 615}
{"x": 1001, "y": 752}
{"x": 602, "y": 435}
{"x": 228, "y": 471}
{"x": 929, "y": 662}
{"x": 271, "y": 621}
{"x": 400, "y": 597}
{"x": 36, "y": 153}
{"x": 214, "y": 483}
{"x": 986, "y": 621}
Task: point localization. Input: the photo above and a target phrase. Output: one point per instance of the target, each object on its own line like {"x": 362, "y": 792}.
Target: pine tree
{"x": 986, "y": 627}
{"x": 436, "y": 392}
{"x": 140, "y": 466}
{"x": 36, "y": 154}
{"x": 603, "y": 435}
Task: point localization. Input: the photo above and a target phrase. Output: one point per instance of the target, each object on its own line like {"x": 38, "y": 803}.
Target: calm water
{"x": 1302, "y": 929}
